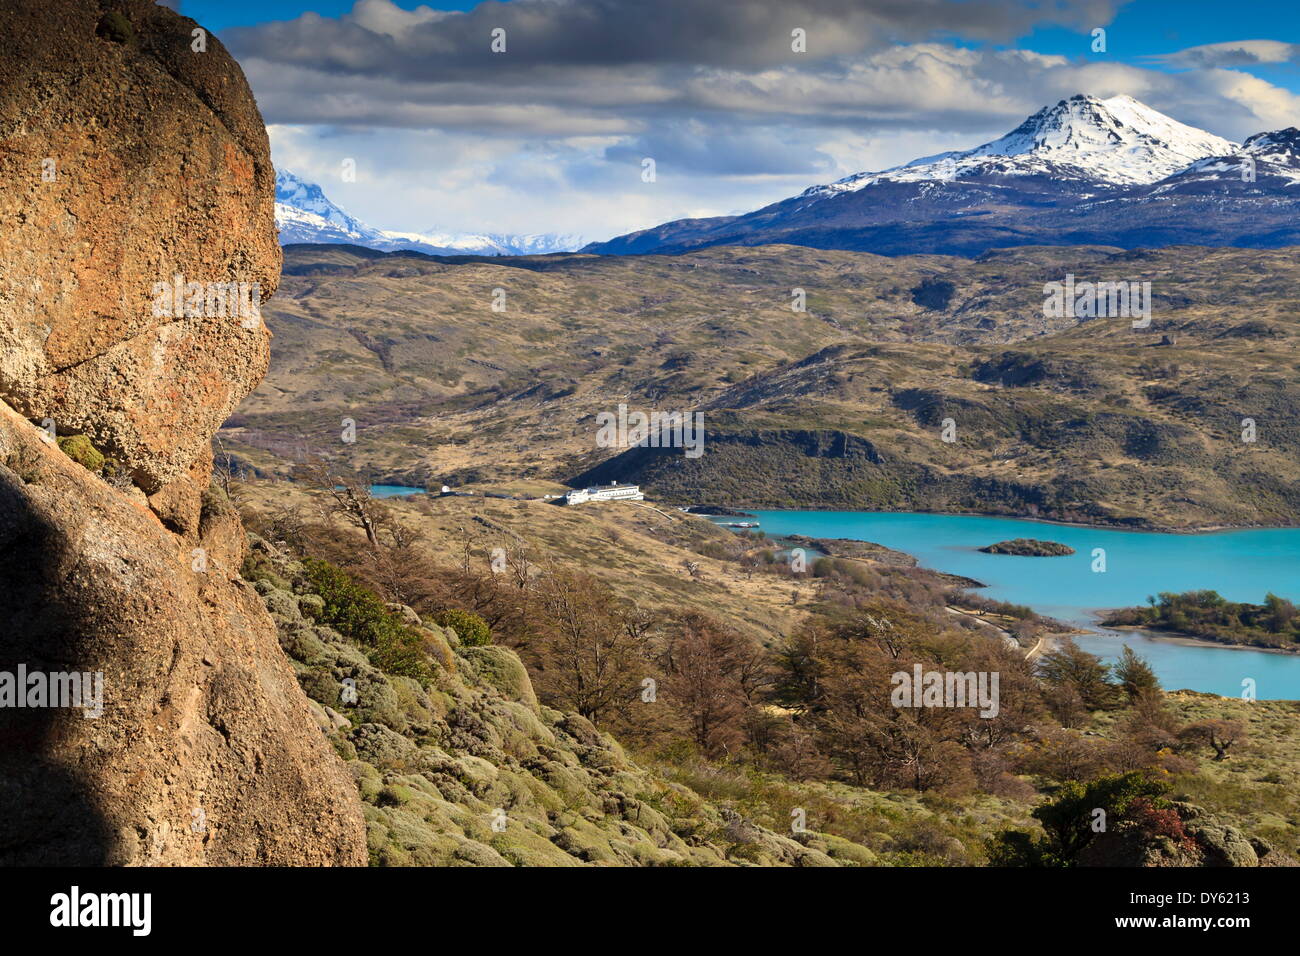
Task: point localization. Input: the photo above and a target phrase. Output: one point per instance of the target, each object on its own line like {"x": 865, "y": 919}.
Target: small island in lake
{"x": 1029, "y": 547}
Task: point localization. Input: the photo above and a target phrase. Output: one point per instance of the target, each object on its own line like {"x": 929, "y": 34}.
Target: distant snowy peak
{"x": 502, "y": 244}
{"x": 305, "y": 205}
{"x": 299, "y": 225}
{"x": 1115, "y": 141}
{"x": 1118, "y": 140}
{"x": 1084, "y": 171}
{"x": 1281, "y": 147}
{"x": 1265, "y": 156}
{"x": 303, "y": 213}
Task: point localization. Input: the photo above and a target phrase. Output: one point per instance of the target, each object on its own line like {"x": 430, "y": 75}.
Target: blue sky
{"x": 551, "y": 136}
{"x": 1154, "y": 27}
{"x": 1140, "y": 29}
{"x": 217, "y": 15}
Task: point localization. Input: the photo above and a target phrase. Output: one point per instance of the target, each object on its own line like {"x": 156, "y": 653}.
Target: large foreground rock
{"x": 156, "y": 165}
{"x": 126, "y": 159}
{"x": 206, "y": 751}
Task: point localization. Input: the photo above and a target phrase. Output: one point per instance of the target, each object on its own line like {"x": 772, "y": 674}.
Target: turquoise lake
{"x": 1240, "y": 565}
{"x": 394, "y": 491}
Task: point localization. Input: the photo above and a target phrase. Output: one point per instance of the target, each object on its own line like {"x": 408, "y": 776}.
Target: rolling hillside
{"x": 839, "y": 405}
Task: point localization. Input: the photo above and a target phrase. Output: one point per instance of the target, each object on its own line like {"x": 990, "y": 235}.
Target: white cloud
{"x": 386, "y": 19}
{"x": 1234, "y": 53}
{"x": 551, "y": 140}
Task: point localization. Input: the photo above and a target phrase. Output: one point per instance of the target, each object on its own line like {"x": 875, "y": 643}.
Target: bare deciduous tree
{"x": 1219, "y": 735}
{"x": 347, "y": 496}
{"x": 591, "y": 660}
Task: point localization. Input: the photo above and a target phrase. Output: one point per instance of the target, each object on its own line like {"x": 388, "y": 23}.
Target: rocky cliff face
{"x": 128, "y": 159}
{"x": 131, "y": 153}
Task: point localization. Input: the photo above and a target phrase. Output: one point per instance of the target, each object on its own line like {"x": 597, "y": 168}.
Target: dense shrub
{"x": 115, "y": 27}
{"x": 360, "y": 616}
{"x": 1067, "y": 820}
{"x": 933, "y": 293}
{"x": 472, "y": 630}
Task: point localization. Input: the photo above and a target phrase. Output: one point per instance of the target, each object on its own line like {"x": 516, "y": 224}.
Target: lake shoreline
{"x": 1036, "y": 519}
{"x": 1077, "y": 591}
{"x": 1194, "y": 640}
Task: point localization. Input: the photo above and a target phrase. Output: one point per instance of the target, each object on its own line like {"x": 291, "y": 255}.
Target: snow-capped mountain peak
{"x": 1280, "y": 146}
{"x": 304, "y": 213}
{"x": 504, "y": 244}
{"x": 1263, "y": 157}
{"x": 295, "y": 196}
{"x": 1085, "y": 170}
{"x": 1119, "y": 140}
{"x": 1115, "y": 141}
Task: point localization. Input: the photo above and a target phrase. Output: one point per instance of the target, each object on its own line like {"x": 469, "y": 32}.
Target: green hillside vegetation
{"x": 603, "y": 724}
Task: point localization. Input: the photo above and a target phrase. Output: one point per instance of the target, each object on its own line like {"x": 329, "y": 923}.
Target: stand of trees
{"x": 680, "y": 685}
{"x": 1275, "y": 623}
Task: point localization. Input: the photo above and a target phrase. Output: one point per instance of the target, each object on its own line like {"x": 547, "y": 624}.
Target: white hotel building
{"x": 610, "y": 492}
